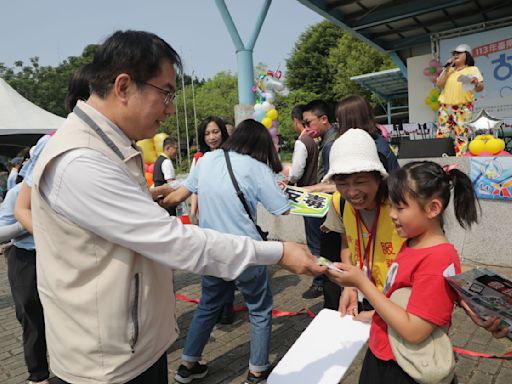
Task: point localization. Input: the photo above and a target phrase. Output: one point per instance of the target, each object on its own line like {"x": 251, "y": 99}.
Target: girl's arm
{"x": 22, "y": 209}
{"x": 411, "y": 328}
{"x": 177, "y": 196}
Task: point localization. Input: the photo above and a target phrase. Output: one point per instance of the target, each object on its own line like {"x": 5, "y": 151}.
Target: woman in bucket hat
{"x": 457, "y": 96}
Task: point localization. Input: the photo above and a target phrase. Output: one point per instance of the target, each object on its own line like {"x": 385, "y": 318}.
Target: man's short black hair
{"x": 136, "y": 53}
{"x": 297, "y": 111}
{"x": 319, "y": 108}
{"x": 169, "y": 142}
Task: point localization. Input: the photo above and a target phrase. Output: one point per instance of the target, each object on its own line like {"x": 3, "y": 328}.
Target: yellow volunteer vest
{"x": 387, "y": 242}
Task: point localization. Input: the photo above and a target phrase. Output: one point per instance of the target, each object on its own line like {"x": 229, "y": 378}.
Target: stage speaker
{"x": 409, "y": 149}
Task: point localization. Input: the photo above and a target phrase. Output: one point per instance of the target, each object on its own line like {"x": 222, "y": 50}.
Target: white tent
{"x": 21, "y": 121}
{"x": 18, "y": 115}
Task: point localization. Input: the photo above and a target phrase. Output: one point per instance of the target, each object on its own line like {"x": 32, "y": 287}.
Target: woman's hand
{"x": 348, "y": 302}
{"x": 479, "y": 85}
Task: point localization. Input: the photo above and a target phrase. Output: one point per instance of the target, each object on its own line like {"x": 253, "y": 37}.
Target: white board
{"x": 324, "y": 351}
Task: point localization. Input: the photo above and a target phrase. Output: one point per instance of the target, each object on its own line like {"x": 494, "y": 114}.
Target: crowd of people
{"x": 94, "y": 249}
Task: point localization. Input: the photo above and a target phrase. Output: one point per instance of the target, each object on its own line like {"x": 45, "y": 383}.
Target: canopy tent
{"x": 21, "y": 121}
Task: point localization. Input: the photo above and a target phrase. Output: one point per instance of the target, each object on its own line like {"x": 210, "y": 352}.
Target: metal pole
{"x": 178, "y": 130}
{"x": 194, "y": 108}
{"x": 186, "y": 118}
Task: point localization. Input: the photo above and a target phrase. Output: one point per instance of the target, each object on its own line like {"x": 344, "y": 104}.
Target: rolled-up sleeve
{"x": 91, "y": 191}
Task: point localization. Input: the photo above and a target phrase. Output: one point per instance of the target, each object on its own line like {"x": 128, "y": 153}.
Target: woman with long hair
{"x": 253, "y": 159}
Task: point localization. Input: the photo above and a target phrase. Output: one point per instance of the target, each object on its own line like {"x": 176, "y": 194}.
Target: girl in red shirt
{"x": 419, "y": 193}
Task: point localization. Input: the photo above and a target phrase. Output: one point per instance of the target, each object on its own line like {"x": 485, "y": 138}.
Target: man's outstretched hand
{"x": 298, "y": 259}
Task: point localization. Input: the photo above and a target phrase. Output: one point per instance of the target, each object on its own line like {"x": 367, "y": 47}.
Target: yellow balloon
{"x": 272, "y": 114}
{"x": 494, "y": 145}
{"x": 158, "y": 140}
{"x": 148, "y": 150}
{"x": 477, "y": 146}
{"x": 267, "y": 122}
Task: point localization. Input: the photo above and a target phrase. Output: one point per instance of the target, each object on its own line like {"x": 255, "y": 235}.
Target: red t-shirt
{"x": 431, "y": 298}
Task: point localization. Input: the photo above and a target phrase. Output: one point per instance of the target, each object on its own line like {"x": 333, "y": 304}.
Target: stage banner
{"x": 492, "y": 177}
{"x": 492, "y": 51}
{"x": 312, "y": 204}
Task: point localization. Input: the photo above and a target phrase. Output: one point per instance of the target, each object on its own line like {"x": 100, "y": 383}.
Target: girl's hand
{"x": 350, "y": 277}
{"x": 348, "y": 302}
{"x": 365, "y": 316}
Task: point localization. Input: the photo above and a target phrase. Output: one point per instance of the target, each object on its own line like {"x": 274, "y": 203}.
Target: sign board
{"x": 313, "y": 204}
{"x": 323, "y": 352}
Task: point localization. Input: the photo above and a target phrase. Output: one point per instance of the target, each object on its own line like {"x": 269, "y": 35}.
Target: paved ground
{"x": 228, "y": 350}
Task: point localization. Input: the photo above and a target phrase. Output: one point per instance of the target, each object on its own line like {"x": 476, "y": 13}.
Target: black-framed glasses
{"x": 169, "y": 95}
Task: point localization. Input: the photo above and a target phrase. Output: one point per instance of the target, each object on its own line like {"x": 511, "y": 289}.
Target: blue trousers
{"x": 254, "y": 285}
{"x": 314, "y": 239}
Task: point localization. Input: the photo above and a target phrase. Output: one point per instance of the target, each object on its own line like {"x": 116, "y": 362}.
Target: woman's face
{"x": 359, "y": 189}
{"x": 213, "y": 135}
{"x": 459, "y": 59}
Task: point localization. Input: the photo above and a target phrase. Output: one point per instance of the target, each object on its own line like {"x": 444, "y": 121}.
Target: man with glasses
{"x": 105, "y": 250}
{"x": 317, "y": 118}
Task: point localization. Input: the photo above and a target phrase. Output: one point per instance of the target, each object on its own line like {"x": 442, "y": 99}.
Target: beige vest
{"x": 109, "y": 312}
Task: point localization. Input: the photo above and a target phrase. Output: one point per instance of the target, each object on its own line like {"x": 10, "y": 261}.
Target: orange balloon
{"x": 149, "y": 178}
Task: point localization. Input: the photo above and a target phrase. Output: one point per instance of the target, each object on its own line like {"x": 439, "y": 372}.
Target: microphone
{"x": 449, "y": 63}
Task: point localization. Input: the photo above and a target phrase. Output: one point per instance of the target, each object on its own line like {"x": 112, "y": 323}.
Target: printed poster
{"x": 312, "y": 204}
{"x": 492, "y": 177}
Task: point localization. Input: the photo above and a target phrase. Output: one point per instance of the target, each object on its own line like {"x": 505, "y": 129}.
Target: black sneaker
{"x": 186, "y": 375}
{"x": 227, "y": 314}
{"x": 313, "y": 292}
{"x": 253, "y": 379}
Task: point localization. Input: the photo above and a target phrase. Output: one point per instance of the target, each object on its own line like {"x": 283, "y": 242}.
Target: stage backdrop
{"x": 492, "y": 51}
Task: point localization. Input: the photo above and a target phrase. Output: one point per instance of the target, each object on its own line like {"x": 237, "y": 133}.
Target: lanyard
{"x": 364, "y": 258}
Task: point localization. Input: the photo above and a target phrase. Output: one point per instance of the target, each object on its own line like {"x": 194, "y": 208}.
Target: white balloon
{"x": 270, "y": 96}
{"x": 258, "y": 107}
{"x": 266, "y": 106}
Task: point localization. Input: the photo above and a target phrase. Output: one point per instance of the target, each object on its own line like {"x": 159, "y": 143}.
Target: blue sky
{"x": 56, "y": 29}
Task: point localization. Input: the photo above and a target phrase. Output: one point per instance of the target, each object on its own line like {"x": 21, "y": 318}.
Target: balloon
{"x": 503, "y": 153}
{"x": 148, "y": 150}
{"x": 433, "y": 78}
{"x": 476, "y": 147}
{"x": 434, "y": 63}
{"x": 146, "y": 167}
{"x": 258, "y": 107}
{"x": 494, "y": 145}
{"x": 266, "y": 106}
{"x": 149, "y": 179}
{"x": 151, "y": 168}
{"x": 272, "y": 114}
{"x": 485, "y": 154}
{"x": 270, "y": 97}
{"x": 273, "y": 131}
{"x": 275, "y": 124}
{"x": 158, "y": 140}
{"x": 259, "y": 115}
{"x": 432, "y": 71}
{"x": 267, "y": 122}
{"x": 426, "y": 71}
{"x": 468, "y": 154}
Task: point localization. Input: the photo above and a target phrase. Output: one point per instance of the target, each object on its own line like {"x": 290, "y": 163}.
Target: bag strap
{"x": 239, "y": 193}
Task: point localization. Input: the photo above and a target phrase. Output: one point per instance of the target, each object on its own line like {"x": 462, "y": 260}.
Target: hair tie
{"x": 448, "y": 168}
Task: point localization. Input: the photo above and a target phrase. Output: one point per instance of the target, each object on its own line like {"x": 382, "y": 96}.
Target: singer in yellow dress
{"x": 456, "y": 102}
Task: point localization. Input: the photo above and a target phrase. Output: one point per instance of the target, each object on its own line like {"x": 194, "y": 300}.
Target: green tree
{"x": 352, "y": 57}
{"x": 307, "y": 66}
{"x": 325, "y": 57}
{"x": 45, "y": 86}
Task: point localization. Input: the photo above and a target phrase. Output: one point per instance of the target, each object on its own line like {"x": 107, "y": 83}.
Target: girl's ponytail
{"x": 465, "y": 203}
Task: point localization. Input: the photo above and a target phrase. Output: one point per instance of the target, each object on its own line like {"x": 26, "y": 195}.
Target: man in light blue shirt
{"x": 21, "y": 271}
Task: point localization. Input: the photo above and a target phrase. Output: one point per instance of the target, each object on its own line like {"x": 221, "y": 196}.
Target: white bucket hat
{"x": 353, "y": 152}
{"x": 462, "y": 48}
